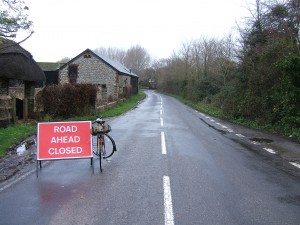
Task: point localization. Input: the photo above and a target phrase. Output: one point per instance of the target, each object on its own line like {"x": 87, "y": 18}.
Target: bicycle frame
{"x": 100, "y": 131}
{"x": 101, "y": 144}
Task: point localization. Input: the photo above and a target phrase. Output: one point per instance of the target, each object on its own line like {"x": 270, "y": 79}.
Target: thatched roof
{"x": 17, "y": 63}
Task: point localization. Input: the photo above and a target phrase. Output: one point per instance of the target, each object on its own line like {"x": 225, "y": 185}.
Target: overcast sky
{"x": 65, "y": 28}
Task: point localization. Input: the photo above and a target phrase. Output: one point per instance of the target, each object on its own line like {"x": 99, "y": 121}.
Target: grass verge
{"x": 212, "y": 110}
{"x": 13, "y": 135}
{"x": 16, "y": 133}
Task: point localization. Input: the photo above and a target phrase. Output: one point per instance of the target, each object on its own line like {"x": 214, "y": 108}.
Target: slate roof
{"x": 121, "y": 68}
{"x": 49, "y": 66}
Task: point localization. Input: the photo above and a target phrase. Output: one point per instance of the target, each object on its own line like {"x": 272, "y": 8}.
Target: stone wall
{"x": 17, "y": 92}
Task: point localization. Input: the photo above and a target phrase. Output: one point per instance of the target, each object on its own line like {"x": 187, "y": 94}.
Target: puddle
{"x": 21, "y": 149}
{"x": 261, "y": 140}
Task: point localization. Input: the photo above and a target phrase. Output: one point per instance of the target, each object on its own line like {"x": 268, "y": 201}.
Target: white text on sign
{"x": 61, "y": 140}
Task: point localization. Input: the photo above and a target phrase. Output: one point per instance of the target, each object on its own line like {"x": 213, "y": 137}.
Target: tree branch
{"x": 17, "y": 43}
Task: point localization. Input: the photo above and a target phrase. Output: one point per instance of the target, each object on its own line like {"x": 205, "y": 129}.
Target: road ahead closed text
{"x": 64, "y": 140}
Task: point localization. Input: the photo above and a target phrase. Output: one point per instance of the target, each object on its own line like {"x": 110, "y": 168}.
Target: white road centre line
{"x": 270, "y": 150}
{"x": 161, "y": 112}
{"x": 163, "y": 144}
{"x": 169, "y": 216}
{"x": 161, "y": 122}
{"x": 295, "y": 164}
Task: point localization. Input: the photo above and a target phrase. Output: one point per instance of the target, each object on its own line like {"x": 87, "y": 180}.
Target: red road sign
{"x": 62, "y": 140}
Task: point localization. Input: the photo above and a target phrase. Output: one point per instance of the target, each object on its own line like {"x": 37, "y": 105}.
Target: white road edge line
{"x": 163, "y": 144}
{"x": 255, "y": 143}
{"x": 295, "y": 164}
{"x": 17, "y": 180}
{"x": 11, "y": 183}
{"x": 270, "y": 150}
{"x": 240, "y": 135}
{"x": 169, "y": 216}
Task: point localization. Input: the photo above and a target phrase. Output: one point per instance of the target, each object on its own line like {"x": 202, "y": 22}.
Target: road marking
{"x": 163, "y": 144}
{"x": 229, "y": 130}
{"x": 169, "y": 216}
{"x": 270, "y": 150}
{"x": 240, "y": 135}
{"x": 9, "y": 184}
{"x": 295, "y": 164}
{"x": 255, "y": 143}
{"x": 161, "y": 122}
{"x": 17, "y": 180}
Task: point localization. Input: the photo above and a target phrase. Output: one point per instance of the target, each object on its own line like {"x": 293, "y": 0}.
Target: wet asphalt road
{"x": 214, "y": 177}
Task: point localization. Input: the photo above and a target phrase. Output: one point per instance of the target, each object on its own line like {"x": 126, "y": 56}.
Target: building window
{"x": 73, "y": 73}
{"x": 87, "y": 56}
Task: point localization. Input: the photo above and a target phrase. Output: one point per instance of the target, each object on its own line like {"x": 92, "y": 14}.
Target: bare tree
{"x": 112, "y": 53}
{"x": 137, "y": 59}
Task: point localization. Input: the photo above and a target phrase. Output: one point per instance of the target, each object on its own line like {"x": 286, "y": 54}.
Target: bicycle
{"x": 106, "y": 145}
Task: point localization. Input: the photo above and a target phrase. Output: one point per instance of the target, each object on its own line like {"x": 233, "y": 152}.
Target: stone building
{"x": 112, "y": 78}
{"x": 109, "y": 75}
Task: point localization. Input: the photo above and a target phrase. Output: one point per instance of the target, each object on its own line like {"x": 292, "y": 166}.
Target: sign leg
{"x": 92, "y": 164}
{"x": 37, "y": 168}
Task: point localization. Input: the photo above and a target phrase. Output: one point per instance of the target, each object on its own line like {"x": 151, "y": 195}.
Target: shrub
{"x": 67, "y": 100}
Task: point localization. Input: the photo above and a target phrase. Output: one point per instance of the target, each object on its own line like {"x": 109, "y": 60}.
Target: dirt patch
{"x": 12, "y": 163}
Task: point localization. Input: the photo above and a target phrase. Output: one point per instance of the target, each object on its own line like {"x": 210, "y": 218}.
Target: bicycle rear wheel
{"x": 104, "y": 149}
{"x": 109, "y": 146}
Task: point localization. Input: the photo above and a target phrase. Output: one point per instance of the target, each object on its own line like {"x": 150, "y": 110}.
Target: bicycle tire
{"x": 110, "y": 146}
{"x": 107, "y": 149}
